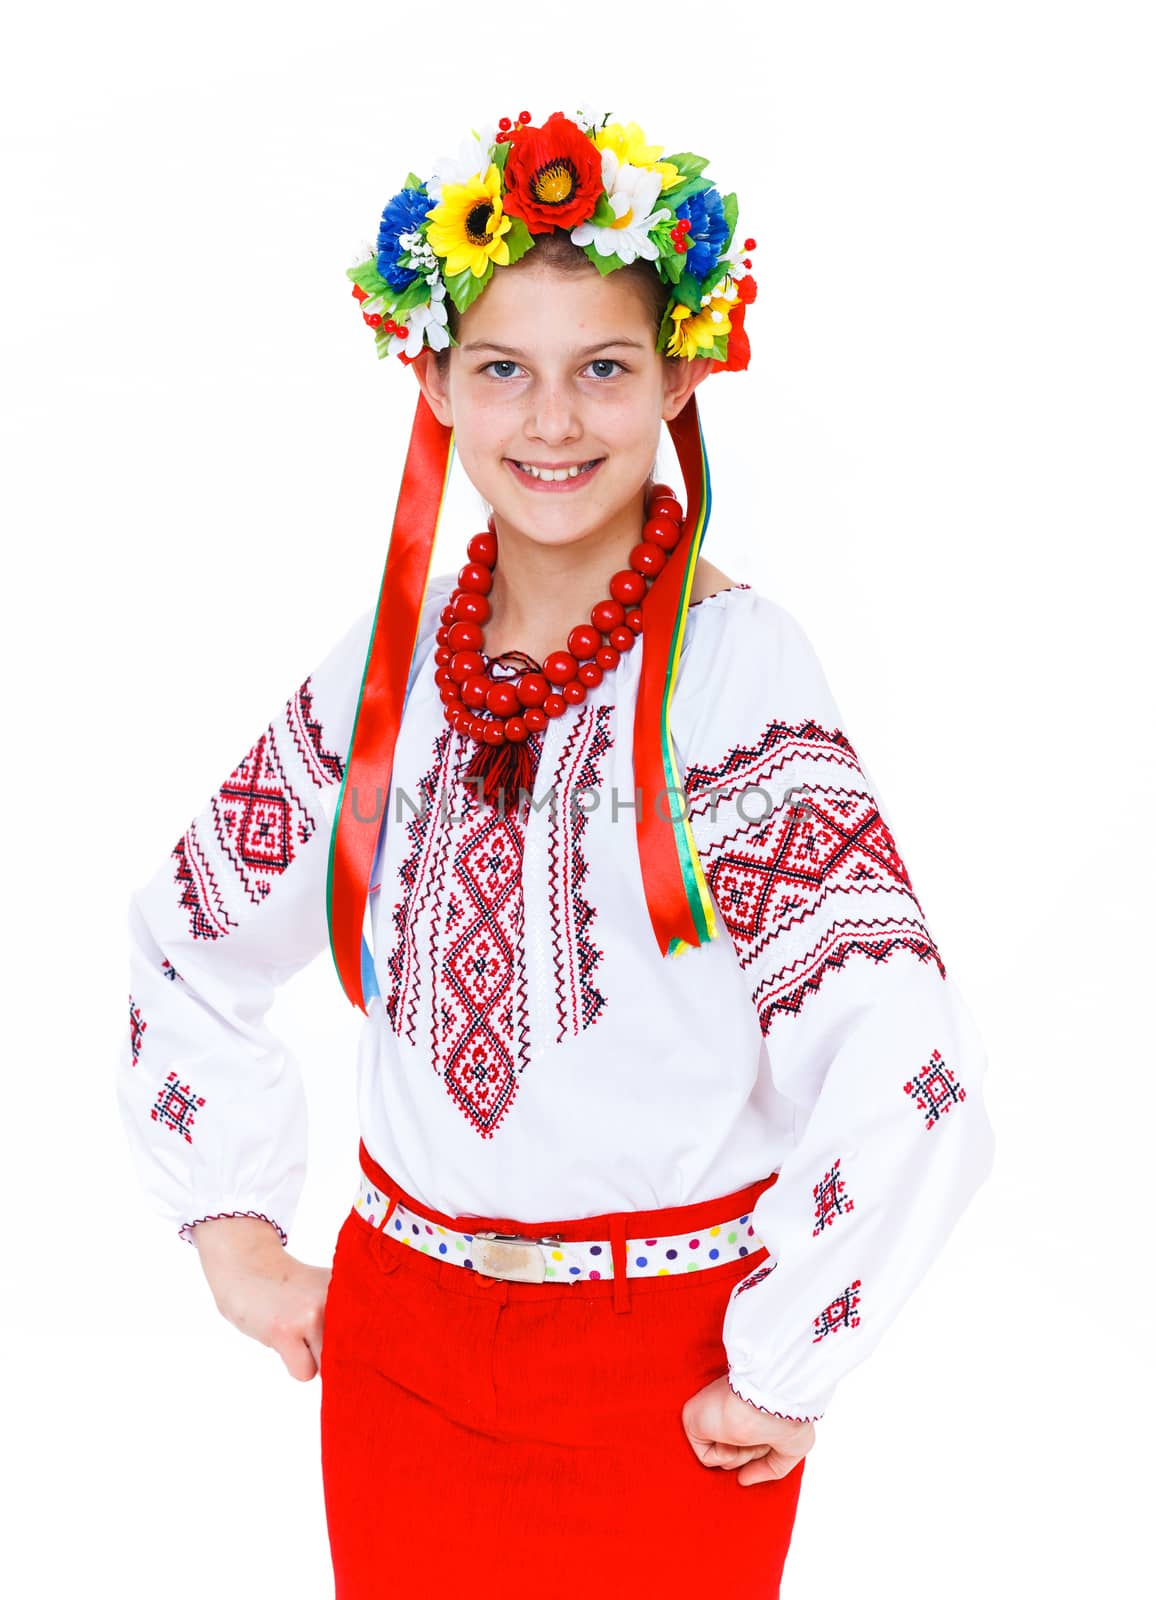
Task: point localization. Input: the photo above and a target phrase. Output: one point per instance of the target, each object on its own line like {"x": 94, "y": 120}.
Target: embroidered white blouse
{"x": 529, "y": 1052}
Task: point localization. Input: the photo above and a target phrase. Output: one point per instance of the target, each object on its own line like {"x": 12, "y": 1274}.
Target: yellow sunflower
{"x": 695, "y": 331}
{"x": 468, "y": 226}
{"x": 629, "y": 145}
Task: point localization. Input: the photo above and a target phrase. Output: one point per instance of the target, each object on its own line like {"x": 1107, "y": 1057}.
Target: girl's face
{"x": 557, "y": 370}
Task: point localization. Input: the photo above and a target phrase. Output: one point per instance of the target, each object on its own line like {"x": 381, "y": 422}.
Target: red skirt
{"x": 497, "y": 1438}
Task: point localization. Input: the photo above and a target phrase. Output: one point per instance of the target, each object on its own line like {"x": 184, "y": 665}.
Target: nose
{"x": 553, "y": 417}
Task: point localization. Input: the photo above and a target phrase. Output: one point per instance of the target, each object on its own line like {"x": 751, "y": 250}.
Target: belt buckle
{"x": 512, "y": 1256}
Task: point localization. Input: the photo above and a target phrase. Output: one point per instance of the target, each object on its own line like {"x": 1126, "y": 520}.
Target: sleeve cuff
{"x": 761, "y": 1402}
{"x": 185, "y": 1231}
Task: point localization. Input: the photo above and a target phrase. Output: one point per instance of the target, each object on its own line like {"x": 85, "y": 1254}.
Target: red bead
{"x": 447, "y": 615}
{"x": 442, "y": 636}
{"x": 494, "y": 733}
{"x": 622, "y": 639}
{"x": 625, "y": 586}
{"x": 443, "y": 655}
{"x": 461, "y": 719}
{"x": 536, "y": 719}
{"x": 560, "y": 666}
{"x": 442, "y": 677}
{"x": 450, "y": 713}
{"x": 607, "y": 657}
{"x": 589, "y": 673}
{"x": 665, "y": 506}
{"x": 476, "y": 577}
{"x": 465, "y": 636}
{"x": 474, "y": 691}
{"x": 606, "y": 614}
{"x": 661, "y": 489}
{"x": 505, "y": 124}
{"x": 583, "y": 641}
{"x": 483, "y": 548}
{"x": 516, "y": 729}
{"x": 750, "y": 245}
{"x": 634, "y": 620}
{"x": 553, "y": 705}
{"x": 532, "y": 689}
{"x": 472, "y": 608}
{"x": 502, "y": 699}
{"x": 648, "y": 559}
{"x": 662, "y": 531}
{"x": 574, "y": 693}
{"x": 449, "y": 695}
{"x": 465, "y": 664}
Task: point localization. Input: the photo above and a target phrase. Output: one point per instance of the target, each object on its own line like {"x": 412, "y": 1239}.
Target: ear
{"x": 681, "y": 377}
{"x": 431, "y": 381}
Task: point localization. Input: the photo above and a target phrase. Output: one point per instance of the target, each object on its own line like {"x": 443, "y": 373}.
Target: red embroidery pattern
{"x": 842, "y": 1312}
{"x": 259, "y": 821}
{"x": 831, "y": 1198}
{"x": 324, "y": 765}
{"x": 577, "y": 1002}
{"x": 136, "y": 1028}
{"x": 169, "y": 970}
{"x": 934, "y": 1089}
{"x": 176, "y": 1107}
{"x": 200, "y": 896}
{"x": 755, "y": 1277}
{"x": 424, "y": 863}
{"x": 776, "y": 856}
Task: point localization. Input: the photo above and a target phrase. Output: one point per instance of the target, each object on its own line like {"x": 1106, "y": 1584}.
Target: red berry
{"x": 625, "y": 586}
{"x": 532, "y": 689}
{"x": 607, "y": 657}
{"x": 622, "y": 639}
{"x": 560, "y": 666}
{"x": 475, "y": 577}
{"x": 750, "y": 245}
{"x": 373, "y": 319}
{"x": 401, "y": 331}
{"x": 536, "y": 719}
{"x": 589, "y": 673}
{"x": 553, "y": 705}
{"x": 648, "y": 559}
{"x": 502, "y": 699}
{"x": 465, "y": 636}
{"x": 747, "y": 264}
{"x": 523, "y": 116}
{"x": 516, "y": 729}
{"x": 466, "y": 664}
{"x": 662, "y": 531}
{"x": 574, "y": 693}
{"x": 583, "y": 641}
{"x": 483, "y": 548}
{"x": 634, "y": 620}
{"x": 471, "y": 608}
{"x": 474, "y": 691}
{"x": 494, "y": 733}
{"x": 505, "y": 124}
{"x": 680, "y": 245}
{"x": 606, "y": 614}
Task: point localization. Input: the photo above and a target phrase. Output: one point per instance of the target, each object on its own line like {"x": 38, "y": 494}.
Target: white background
{"x": 940, "y": 461}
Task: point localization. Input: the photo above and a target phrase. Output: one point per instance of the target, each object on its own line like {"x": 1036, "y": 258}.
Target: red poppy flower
{"x": 553, "y": 175}
{"x": 738, "y": 344}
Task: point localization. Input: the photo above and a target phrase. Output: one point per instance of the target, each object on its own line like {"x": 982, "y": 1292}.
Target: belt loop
{"x": 618, "y": 1256}
{"x": 389, "y": 1210}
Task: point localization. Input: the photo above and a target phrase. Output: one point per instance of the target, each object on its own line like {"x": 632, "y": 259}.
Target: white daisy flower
{"x": 632, "y": 192}
{"x": 424, "y": 325}
{"x": 471, "y": 158}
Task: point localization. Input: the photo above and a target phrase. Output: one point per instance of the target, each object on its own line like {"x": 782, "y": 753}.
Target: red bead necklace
{"x": 501, "y": 715}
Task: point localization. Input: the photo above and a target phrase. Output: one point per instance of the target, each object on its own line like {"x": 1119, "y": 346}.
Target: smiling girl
{"x": 667, "y": 1100}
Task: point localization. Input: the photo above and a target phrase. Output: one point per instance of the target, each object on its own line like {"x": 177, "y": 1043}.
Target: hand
{"x": 724, "y": 1431}
{"x": 264, "y": 1291}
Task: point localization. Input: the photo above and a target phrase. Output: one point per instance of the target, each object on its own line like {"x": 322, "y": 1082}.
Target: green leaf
{"x": 367, "y": 277}
{"x": 688, "y": 291}
{"x": 464, "y": 288}
{"x": 683, "y": 191}
{"x": 689, "y": 165}
{"x": 730, "y": 207}
{"x": 499, "y": 155}
{"x": 604, "y": 215}
{"x": 665, "y": 330}
{"x": 605, "y": 264}
{"x": 673, "y": 261}
{"x": 417, "y": 294}
{"x": 519, "y": 239}
{"x": 714, "y": 277}
{"x": 412, "y": 182}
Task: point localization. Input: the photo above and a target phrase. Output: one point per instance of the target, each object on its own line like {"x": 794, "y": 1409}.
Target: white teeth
{"x": 552, "y": 474}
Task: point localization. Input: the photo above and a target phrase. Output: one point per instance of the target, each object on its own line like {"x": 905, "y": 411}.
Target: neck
{"x": 541, "y": 591}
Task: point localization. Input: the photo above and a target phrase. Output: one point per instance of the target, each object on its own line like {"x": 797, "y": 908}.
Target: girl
{"x": 667, "y": 1100}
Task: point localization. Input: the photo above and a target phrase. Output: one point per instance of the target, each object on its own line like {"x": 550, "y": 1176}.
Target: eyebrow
{"x": 591, "y": 349}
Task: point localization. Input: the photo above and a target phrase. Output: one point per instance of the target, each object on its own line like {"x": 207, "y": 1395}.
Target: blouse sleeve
{"x": 211, "y": 1099}
{"x": 866, "y": 1034}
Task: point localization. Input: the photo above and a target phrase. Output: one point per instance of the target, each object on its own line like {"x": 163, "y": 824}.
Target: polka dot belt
{"x": 552, "y": 1259}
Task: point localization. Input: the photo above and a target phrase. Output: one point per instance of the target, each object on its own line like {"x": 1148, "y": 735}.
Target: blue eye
{"x": 510, "y": 368}
{"x": 604, "y": 361}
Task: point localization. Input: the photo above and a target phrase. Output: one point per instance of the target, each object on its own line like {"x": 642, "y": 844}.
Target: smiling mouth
{"x": 554, "y": 474}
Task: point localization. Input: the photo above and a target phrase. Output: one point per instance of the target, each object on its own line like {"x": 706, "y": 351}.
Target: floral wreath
{"x": 620, "y": 199}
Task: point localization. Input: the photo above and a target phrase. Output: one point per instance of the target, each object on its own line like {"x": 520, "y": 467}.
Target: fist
{"x": 724, "y": 1431}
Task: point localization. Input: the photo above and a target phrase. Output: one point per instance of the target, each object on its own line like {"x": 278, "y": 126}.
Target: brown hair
{"x": 556, "y": 250}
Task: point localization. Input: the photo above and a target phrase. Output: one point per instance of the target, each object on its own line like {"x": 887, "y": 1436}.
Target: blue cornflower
{"x": 708, "y": 231}
{"x": 405, "y": 213}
